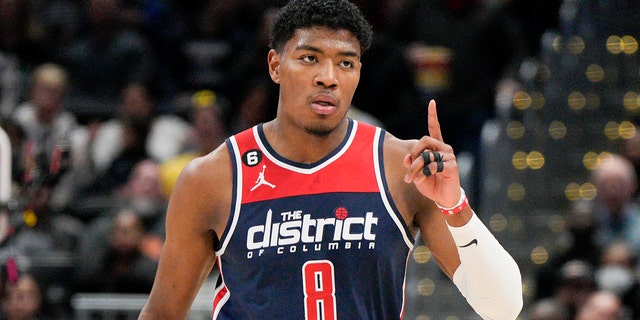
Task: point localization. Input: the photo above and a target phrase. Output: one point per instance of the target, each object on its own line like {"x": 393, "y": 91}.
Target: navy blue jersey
{"x": 312, "y": 241}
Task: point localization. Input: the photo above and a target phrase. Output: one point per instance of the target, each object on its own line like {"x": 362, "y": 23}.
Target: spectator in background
{"x": 618, "y": 212}
{"x": 577, "y": 243}
{"x": 256, "y": 105}
{"x": 601, "y": 305}
{"x": 548, "y": 309}
{"x": 49, "y": 154}
{"x": 143, "y": 195}
{"x": 11, "y": 78}
{"x": 112, "y": 256}
{"x": 19, "y": 52}
{"x": 580, "y": 244}
{"x": 140, "y": 193}
{"x": 117, "y": 145}
{"x": 631, "y": 151}
{"x": 616, "y": 270}
{"x": 165, "y": 139}
{"x": 252, "y": 95}
{"x": 208, "y": 131}
{"x": 616, "y": 273}
{"x": 575, "y": 285}
{"x": 23, "y": 300}
{"x": 42, "y": 118}
{"x": 217, "y": 31}
{"x": 103, "y": 60}
{"x": 135, "y": 132}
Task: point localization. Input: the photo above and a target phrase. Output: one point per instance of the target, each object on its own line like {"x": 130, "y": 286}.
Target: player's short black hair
{"x": 335, "y": 14}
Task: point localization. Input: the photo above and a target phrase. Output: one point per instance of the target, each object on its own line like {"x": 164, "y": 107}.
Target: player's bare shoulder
{"x": 396, "y": 147}
{"x": 406, "y": 197}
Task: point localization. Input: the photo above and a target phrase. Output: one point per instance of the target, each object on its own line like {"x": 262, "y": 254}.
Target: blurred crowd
{"x": 105, "y": 101}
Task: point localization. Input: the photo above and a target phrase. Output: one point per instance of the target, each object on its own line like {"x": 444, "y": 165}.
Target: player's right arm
{"x": 197, "y": 213}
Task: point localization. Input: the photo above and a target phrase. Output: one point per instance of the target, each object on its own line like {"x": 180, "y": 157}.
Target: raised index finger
{"x": 432, "y": 122}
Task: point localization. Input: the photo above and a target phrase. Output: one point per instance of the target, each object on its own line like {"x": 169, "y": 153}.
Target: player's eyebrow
{"x": 347, "y": 53}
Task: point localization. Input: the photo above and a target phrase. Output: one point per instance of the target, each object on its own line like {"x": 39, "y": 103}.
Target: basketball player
{"x": 313, "y": 215}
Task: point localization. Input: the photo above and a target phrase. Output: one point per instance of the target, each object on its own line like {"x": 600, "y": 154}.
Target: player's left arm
{"x": 484, "y": 272}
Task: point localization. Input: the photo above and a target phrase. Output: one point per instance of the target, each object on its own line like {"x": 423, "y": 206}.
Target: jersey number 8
{"x": 319, "y": 290}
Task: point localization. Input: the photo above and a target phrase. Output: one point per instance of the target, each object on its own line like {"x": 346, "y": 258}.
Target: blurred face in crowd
{"x": 136, "y": 102}
{"x": 145, "y": 181}
{"x": 47, "y": 94}
{"x": 207, "y": 123}
{"x": 23, "y": 299}
{"x": 126, "y": 233}
{"x": 615, "y": 182}
{"x": 601, "y": 306}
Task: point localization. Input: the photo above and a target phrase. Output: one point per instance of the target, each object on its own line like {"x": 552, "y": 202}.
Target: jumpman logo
{"x": 260, "y": 181}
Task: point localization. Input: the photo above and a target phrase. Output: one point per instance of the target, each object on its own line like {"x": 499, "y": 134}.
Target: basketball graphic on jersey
{"x": 342, "y": 213}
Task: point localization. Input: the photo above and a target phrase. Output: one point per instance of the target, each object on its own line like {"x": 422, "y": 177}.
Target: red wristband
{"x": 462, "y": 203}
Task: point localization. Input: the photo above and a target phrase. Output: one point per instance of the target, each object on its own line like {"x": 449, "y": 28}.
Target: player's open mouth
{"x": 324, "y": 104}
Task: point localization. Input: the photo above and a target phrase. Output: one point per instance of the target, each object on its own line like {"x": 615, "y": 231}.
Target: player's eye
{"x": 346, "y": 64}
{"x": 309, "y": 59}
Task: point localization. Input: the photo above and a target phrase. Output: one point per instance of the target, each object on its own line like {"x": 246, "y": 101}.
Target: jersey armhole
{"x": 236, "y": 193}
{"x": 385, "y": 193}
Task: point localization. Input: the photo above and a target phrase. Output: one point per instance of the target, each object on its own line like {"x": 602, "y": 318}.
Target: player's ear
{"x": 274, "y": 65}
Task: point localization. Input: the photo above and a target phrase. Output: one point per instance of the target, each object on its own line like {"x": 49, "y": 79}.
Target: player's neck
{"x": 299, "y": 145}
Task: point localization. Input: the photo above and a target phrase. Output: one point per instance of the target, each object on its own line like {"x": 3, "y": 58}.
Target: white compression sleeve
{"x": 487, "y": 277}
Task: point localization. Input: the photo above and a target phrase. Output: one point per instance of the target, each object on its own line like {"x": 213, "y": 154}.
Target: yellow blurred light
{"x": 516, "y": 192}
{"x": 572, "y": 191}
{"x": 576, "y": 100}
{"x": 629, "y": 45}
{"x": 515, "y": 224}
{"x": 498, "y": 222}
{"x": 590, "y": 160}
{"x": 557, "y": 130}
{"x": 515, "y": 129}
{"x": 556, "y": 223}
{"x": 576, "y": 45}
{"x": 421, "y": 254}
{"x": 426, "y": 287}
{"x": 30, "y": 218}
{"x": 631, "y": 101}
{"x": 595, "y": 73}
{"x": 528, "y": 287}
{"x": 539, "y": 255}
{"x": 519, "y": 160}
{"x": 611, "y": 130}
{"x": 203, "y": 99}
{"x": 627, "y": 130}
{"x": 557, "y": 44}
{"x": 535, "y": 160}
{"x": 521, "y": 100}
{"x": 588, "y": 191}
{"x": 614, "y": 44}
{"x": 602, "y": 156}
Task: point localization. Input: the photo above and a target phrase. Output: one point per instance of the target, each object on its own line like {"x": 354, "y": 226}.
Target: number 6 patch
{"x": 252, "y": 157}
